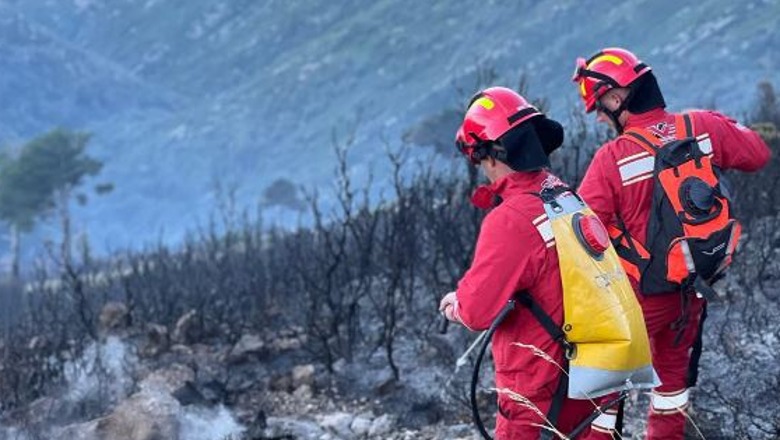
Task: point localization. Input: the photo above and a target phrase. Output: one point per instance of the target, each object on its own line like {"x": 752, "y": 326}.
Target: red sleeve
{"x": 734, "y": 146}
{"x": 599, "y": 187}
{"x": 509, "y": 255}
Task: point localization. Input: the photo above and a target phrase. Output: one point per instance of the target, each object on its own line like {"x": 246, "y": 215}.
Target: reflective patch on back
{"x": 705, "y": 144}
{"x": 542, "y": 224}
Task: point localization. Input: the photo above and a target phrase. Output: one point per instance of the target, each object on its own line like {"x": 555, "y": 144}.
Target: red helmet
{"x": 492, "y": 113}
{"x": 610, "y": 68}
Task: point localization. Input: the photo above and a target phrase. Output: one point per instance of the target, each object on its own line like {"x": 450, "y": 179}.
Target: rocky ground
{"x": 146, "y": 383}
{"x": 151, "y": 383}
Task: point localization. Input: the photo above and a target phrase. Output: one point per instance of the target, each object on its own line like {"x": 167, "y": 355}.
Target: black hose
{"x": 595, "y": 414}
{"x": 478, "y": 364}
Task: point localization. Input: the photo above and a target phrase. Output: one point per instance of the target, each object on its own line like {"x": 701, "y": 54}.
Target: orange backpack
{"x": 692, "y": 233}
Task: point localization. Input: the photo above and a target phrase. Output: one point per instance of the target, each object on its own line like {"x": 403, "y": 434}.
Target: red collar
{"x": 489, "y": 196}
{"x": 647, "y": 118}
{"x": 522, "y": 180}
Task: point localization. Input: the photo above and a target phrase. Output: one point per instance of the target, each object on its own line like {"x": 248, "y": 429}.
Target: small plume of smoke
{"x": 13, "y": 434}
{"x": 198, "y": 423}
{"x": 103, "y": 371}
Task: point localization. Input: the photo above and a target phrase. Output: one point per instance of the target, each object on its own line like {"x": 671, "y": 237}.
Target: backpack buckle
{"x": 569, "y": 349}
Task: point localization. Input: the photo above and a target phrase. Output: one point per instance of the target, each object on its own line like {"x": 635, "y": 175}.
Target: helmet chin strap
{"x": 615, "y": 117}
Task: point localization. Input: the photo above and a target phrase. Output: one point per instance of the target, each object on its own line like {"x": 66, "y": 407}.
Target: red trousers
{"x": 671, "y": 361}
{"x": 516, "y": 421}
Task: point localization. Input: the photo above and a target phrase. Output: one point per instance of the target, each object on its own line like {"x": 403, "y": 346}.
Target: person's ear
{"x": 617, "y": 99}
{"x": 609, "y": 101}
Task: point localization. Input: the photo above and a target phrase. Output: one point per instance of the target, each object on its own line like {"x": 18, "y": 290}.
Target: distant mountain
{"x": 182, "y": 93}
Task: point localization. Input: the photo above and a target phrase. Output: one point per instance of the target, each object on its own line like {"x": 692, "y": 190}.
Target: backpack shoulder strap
{"x": 550, "y": 326}
{"x": 644, "y": 139}
{"x": 684, "y": 124}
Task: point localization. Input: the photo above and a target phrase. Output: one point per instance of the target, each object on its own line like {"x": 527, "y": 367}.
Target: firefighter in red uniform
{"x": 510, "y": 140}
{"x": 618, "y": 186}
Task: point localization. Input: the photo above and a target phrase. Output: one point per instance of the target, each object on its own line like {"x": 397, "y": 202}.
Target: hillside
{"x": 180, "y": 94}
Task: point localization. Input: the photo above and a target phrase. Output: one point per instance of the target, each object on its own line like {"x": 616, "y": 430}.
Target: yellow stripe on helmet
{"x": 606, "y": 57}
{"x": 485, "y": 102}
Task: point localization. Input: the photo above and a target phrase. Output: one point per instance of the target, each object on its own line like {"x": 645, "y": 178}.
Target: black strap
{"x": 685, "y": 304}
{"x": 704, "y": 288}
{"x": 688, "y": 125}
{"x": 548, "y": 195}
{"x": 557, "y": 403}
{"x": 598, "y": 75}
{"x": 553, "y": 329}
{"x": 620, "y": 416}
{"x": 693, "y": 364}
{"x": 525, "y": 299}
{"x": 643, "y": 140}
{"x": 630, "y": 252}
{"x": 596, "y": 55}
{"x": 521, "y": 114}
{"x": 474, "y": 99}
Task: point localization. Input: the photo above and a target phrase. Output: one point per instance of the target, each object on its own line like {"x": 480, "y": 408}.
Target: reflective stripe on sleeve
{"x": 632, "y": 157}
{"x": 632, "y": 170}
{"x": 705, "y": 144}
{"x": 545, "y": 230}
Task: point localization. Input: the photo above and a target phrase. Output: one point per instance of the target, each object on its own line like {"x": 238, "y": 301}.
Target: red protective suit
{"x": 515, "y": 252}
{"x": 619, "y": 182}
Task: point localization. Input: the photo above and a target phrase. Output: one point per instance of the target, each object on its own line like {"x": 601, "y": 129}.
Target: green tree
{"x": 43, "y": 179}
{"x": 22, "y": 200}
